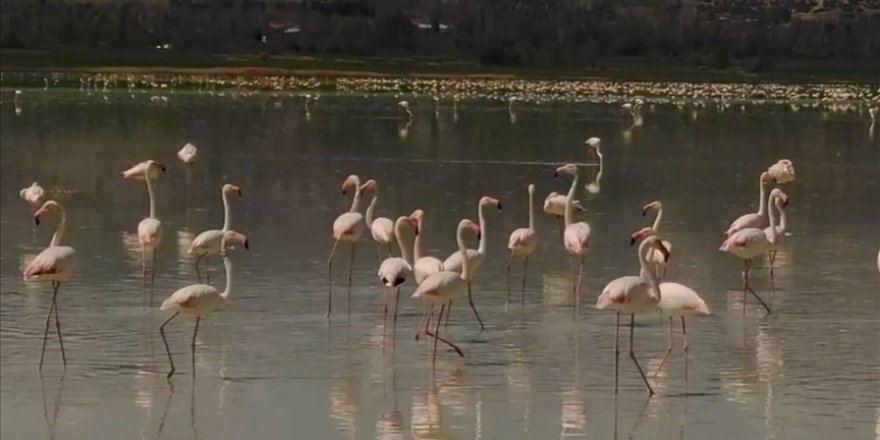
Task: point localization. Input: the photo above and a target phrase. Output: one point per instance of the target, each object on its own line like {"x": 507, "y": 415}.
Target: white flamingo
{"x": 55, "y": 264}
{"x": 349, "y": 227}
{"x": 208, "y": 242}
{"x": 442, "y": 287}
{"x": 779, "y": 203}
{"x": 454, "y": 262}
{"x": 748, "y": 243}
{"x": 631, "y": 295}
{"x": 187, "y": 154}
{"x": 576, "y": 237}
{"x": 522, "y": 243}
{"x": 149, "y": 232}
{"x": 33, "y": 194}
{"x": 755, "y": 219}
{"x": 424, "y": 265}
{"x": 381, "y": 228}
{"x": 394, "y": 270}
{"x": 656, "y": 257}
{"x": 199, "y": 299}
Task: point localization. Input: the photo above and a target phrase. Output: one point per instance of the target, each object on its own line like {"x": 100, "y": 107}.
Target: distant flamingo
{"x": 208, "y": 242}
{"x": 424, "y": 265}
{"x": 403, "y": 105}
{"x": 749, "y": 243}
{"x": 779, "y": 204}
{"x": 199, "y": 299}
{"x": 676, "y": 300}
{"x": 188, "y": 153}
{"x": 55, "y": 264}
{"x": 631, "y": 295}
{"x": 594, "y": 144}
{"x": 522, "y": 243}
{"x": 454, "y": 263}
{"x": 442, "y": 287}
{"x": 656, "y": 257}
{"x": 576, "y": 237}
{"x": 757, "y": 219}
{"x": 33, "y": 194}
{"x": 394, "y": 270}
{"x": 348, "y": 227}
{"x": 381, "y": 228}
{"x": 149, "y": 233}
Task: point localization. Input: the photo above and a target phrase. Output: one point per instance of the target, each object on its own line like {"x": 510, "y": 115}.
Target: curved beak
{"x": 36, "y": 220}
{"x": 555, "y": 174}
{"x": 240, "y": 194}
{"x": 499, "y": 206}
{"x": 246, "y": 246}
{"x": 644, "y": 212}
{"x": 632, "y": 240}
{"x": 161, "y": 166}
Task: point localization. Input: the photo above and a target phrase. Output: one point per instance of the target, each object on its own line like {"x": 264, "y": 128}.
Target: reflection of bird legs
{"x": 669, "y": 347}
{"x": 164, "y": 416}
{"x": 50, "y": 425}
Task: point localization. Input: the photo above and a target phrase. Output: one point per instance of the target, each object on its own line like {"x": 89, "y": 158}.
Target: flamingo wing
{"x": 207, "y": 242}
{"x": 192, "y": 298}
{"x": 393, "y": 271}
{"x": 522, "y": 239}
{"x": 150, "y": 231}
{"x": 453, "y": 262}
{"x": 54, "y": 262}
{"x": 621, "y": 291}
{"x": 746, "y": 221}
{"x": 425, "y": 266}
{"x": 349, "y": 225}
{"x": 678, "y": 299}
{"x": 577, "y": 237}
{"x": 382, "y": 230}
{"x": 441, "y": 286}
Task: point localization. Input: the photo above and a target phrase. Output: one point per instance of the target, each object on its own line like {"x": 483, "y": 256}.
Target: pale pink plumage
{"x": 680, "y": 300}
{"x": 628, "y": 294}
{"x": 554, "y": 204}
{"x": 577, "y": 238}
{"x": 349, "y": 226}
{"x": 195, "y": 299}
{"x": 138, "y": 171}
{"x": 522, "y": 242}
{"x": 426, "y": 266}
{"x": 55, "y": 263}
{"x": 753, "y": 220}
{"x": 149, "y": 233}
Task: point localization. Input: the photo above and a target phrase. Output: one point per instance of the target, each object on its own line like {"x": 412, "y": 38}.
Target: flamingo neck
{"x": 465, "y": 264}
{"x": 227, "y": 265}
{"x": 531, "y": 210}
{"x": 480, "y": 213}
{"x": 569, "y": 202}
{"x": 371, "y": 209}
{"x": 762, "y": 208}
{"x": 150, "y": 192}
{"x": 60, "y": 230}
{"x": 398, "y": 234}
{"x": 647, "y": 272}
{"x": 771, "y": 235}
{"x": 418, "y": 245}
{"x": 657, "y": 220}
{"x": 227, "y": 215}
{"x": 356, "y": 201}
{"x": 783, "y": 223}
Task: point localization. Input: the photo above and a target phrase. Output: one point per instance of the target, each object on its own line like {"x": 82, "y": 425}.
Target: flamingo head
{"x": 231, "y": 189}
{"x": 490, "y": 201}
{"x": 531, "y": 189}
{"x": 410, "y": 222}
{"x": 627, "y": 106}
{"x": 352, "y": 181}
{"x": 417, "y": 215}
{"x": 655, "y": 205}
{"x": 235, "y": 237}
{"x": 780, "y": 195}
{"x": 370, "y": 185}
{"x": 641, "y": 234}
{"x": 570, "y": 168}
{"x": 47, "y": 207}
{"x": 404, "y": 105}
{"x": 470, "y": 225}
{"x": 593, "y": 142}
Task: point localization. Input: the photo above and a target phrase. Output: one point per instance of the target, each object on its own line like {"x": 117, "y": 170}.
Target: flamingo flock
{"x": 437, "y": 283}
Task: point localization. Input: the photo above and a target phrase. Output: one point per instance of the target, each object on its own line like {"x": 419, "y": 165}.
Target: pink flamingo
{"x": 748, "y": 243}
{"x": 208, "y": 242}
{"x": 442, "y": 287}
{"x": 454, "y": 262}
{"x": 755, "y": 219}
{"x": 394, "y": 270}
{"x": 655, "y": 257}
{"x": 633, "y": 294}
{"x": 676, "y": 300}
{"x": 424, "y": 265}
{"x": 780, "y": 205}
{"x": 33, "y": 194}
{"x": 381, "y": 228}
{"x": 55, "y": 264}
{"x": 522, "y": 243}
{"x": 348, "y": 227}
{"x": 199, "y": 299}
{"x": 576, "y": 236}
{"x": 149, "y": 233}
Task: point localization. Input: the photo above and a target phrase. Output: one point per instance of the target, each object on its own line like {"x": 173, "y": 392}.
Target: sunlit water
{"x": 270, "y": 365}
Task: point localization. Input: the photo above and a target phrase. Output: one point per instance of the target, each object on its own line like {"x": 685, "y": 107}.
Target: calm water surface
{"x": 271, "y": 366}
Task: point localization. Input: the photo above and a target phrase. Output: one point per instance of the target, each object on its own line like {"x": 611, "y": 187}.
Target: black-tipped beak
{"x": 416, "y": 229}
{"x": 555, "y": 174}
{"x": 632, "y": 241}
{"x": 343, "y": 192}
{"x": 479, "y": 235}
{"x": 162, "y": 167}
{"x": 785, "y": 203}
{"x": 499, "y": 206}
{"x": 36, "y": 221}
{"x": 644, "y": 212}
{"x": 240, "y": 194}
{"x": 246, "y": 246}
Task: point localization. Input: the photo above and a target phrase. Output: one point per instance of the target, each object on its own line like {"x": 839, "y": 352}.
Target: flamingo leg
{"x": 48, "y": 320}
{"x": 474, "y": 308}
{"x": 522, "y": 297}
{"x": 428, "y": 332}
{"x": 350, "y": 267}
{"x": 437, "y": 337}
{"x": 772, "y": 258}
{"x": 384, "y": 308}
{"x": 509, "y": 259}
{"x": 198, "y": 260}
{"x": 668, "y": 350}
{"x": 577, "y": 288}
{"x": 379, "y": 252}
{"x": 632, "y": 353}
{"x": 425, "y": 312}
{"x": 165, "y": 340}
{"x": 152, "y": 276}
{"x": 448, "y": 313}
{"x": 396, "y": 302}
{"x": 749, "y": 289}
{"x": 684, "y": 338}
{"x": 616, "y": 351}
{"x": 193, "y": 346}
{"x": 330, "y": 278}
{"x": 58, "y": 322}
{"x": 144, "y": 275}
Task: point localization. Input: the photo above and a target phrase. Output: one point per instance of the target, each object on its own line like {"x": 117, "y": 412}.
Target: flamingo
{"x": 33, "y": 194}
{"x": 631, "y": 295}
{"x": 55, "y": 264}
{"x": 454, "y": 262}
{"x": 676, "y": 300}
{"x": 349, "y": 227}
{"x": 199, "y": 299}
{"x": 757, "y": 219}
{"x": 444, "y": 286}
{"x": 149, "y": 233}
{"x": 423, "y": 265}
{"x": 748, "y": 243}
{"x": 208, "y": 242}
{"x": 576, "y": 236}
{"x": 594, "y": 144}
{"x": 394, "y": 270}
{"x": 381, "y": 228}
{"x": 522, "y": 243}
{"x": 782, "y": 171}
{"x": 655, "y": 257}
{"x": 779, "y": 203}
{"x": 188, "y": 153}
{"x": 405, "y": 107}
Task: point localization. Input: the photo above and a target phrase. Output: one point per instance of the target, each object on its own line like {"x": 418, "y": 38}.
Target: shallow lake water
{"x": 270, "y": 365}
